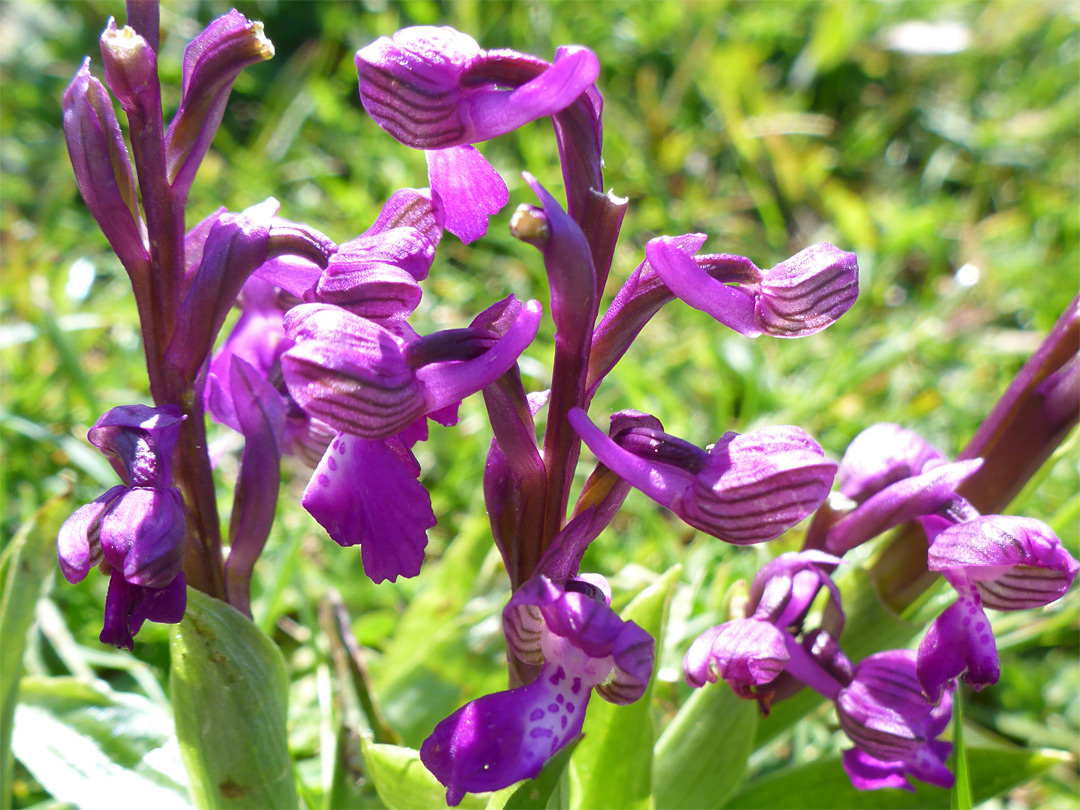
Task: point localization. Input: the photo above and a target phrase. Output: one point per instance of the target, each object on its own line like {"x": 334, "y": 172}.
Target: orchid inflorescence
{"x": 323, "y": 364}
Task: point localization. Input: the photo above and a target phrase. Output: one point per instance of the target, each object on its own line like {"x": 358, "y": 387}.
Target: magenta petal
{"x": 449, "y": 382}
{"x": 898, "y": 503}
{"x": 143, "y": 533}
{"x": 1016, "y": 563}
{"x": 505, "y": 737}
{"x": 366, "y": 492}
{"x": 468, "y": 189}
{"x": 960, "y": 642}
{"x": 77, "y": 544}
{"x": 496, "y": 112}
{"x": 127, "y": 606}
{"x": 867, "y": 773}
{"x": 687, "y": 280}
{"x": 661, "y": 482}
{"x": 746, "y": 653}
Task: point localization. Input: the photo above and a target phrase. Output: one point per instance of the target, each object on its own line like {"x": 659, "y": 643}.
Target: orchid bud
{"x": 102, "y": 167}
{"x": 212, "y": 61}
{"x": 138, "y": 441}
{"x": 131, "y": 70}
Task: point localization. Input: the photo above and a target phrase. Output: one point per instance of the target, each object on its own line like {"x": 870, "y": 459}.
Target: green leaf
{"x": 28, "y": 563}
{"x": 96, "y": 748}
{"x": 612, "y": 766}
{"x": 230, "y": 697}
{"x": 701, "y": 756}
{"x": 402, "y": 781}
{"x": 823, "y": 783}
{"x": 534, "y": 794}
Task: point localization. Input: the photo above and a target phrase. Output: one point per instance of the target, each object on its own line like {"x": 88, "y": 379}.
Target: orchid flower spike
{"x": 744, "y": 489}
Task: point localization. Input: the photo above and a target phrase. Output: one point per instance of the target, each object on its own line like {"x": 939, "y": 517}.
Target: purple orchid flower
{"x": 751, "y": 653}
{"x": 580, "y": 644}
{"x": 371, "y": 381}
{"x": 888, "y": 476}
{"x": 995, "y": 561}
{"x": 799, "y": 297}
{"x": 436, "y": 89}
{"x": 745, "y": 489}
{"x": 137, "y": 530}
{"x": 894, "y": 728}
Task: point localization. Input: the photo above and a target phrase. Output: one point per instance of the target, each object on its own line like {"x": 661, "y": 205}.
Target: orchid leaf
{"x": 701, "y": 756}
{"x": 229, "y": 694}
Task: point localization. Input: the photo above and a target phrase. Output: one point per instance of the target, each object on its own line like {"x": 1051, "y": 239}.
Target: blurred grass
{"x": 768, "y": 126}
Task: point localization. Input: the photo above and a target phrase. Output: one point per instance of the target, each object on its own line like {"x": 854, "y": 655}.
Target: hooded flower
{"x": 744, "y": 489}
{"x": 894, "y": 728}
{"x": 750, "y": 653}
{"x": 137, "y": 530}
{"x": 371, "y": 381}
{"x": 799, "y": 297}
{"x": 995, "y": 561}
{"x": 435, "y": 89}
{"x": 580, "y": 644}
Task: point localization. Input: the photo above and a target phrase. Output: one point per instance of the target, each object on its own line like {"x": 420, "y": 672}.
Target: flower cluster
{"x": 893, "y": 704}
{"x": 435, "y": 89}
{"x": 323, "y": 364}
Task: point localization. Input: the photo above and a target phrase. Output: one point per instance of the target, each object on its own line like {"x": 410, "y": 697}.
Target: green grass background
{"x": 768, "y": 126}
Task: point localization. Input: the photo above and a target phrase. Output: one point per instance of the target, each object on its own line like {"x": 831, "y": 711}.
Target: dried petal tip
{"x": 808, "y": 292}
{"x": 130, "y": 68}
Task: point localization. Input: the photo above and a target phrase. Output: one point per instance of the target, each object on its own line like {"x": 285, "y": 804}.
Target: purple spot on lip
{"x": 540, "y": 732}
{"x": 563, "y": 721}
{"x": 554, "y": 745}
{"x": 984, "y": 639}
{"x": 559, "y": 698}
{"x": 324, "y": 481}
{"x": 332, "y": 464}
{"x": 537, "y": 714}
{"x": 554, "y": 707}
{"x": 576, "y": 686}
{"x": 559, "y": 675}
{"x": 980, "y": 627}
{"x": 570, "y": 707}
{"x": 967, "y": 621}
